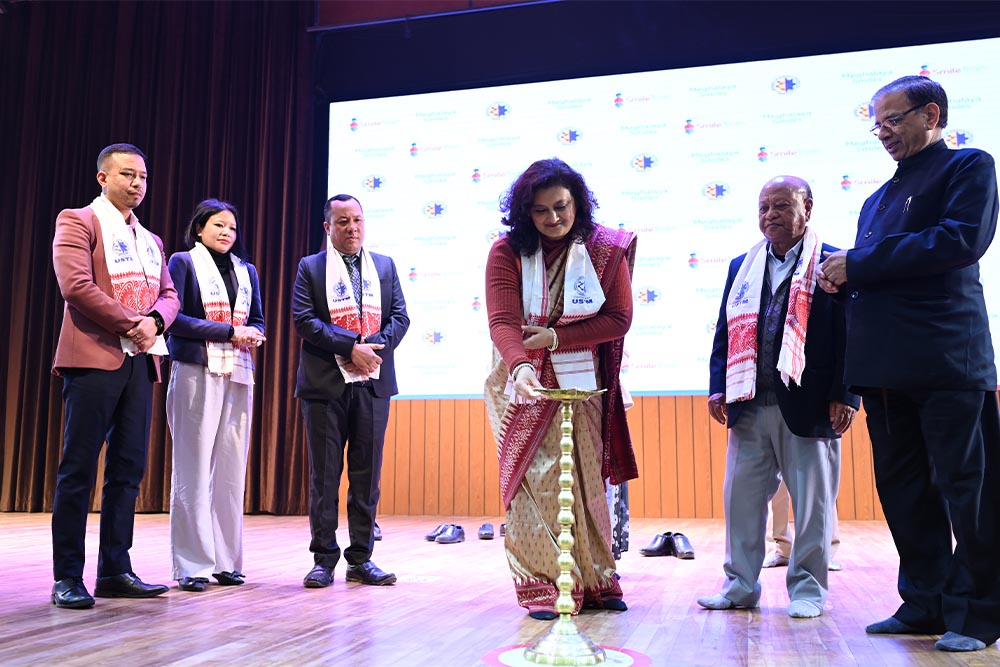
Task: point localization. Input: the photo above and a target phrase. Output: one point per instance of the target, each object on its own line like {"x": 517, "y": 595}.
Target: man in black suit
{"x": 776, "y": 370}
{"x": 348, "y": 308}
{"x": 919, "y": 350}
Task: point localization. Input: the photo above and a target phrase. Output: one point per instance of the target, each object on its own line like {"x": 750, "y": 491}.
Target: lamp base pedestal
{"x": 564, "y": 644}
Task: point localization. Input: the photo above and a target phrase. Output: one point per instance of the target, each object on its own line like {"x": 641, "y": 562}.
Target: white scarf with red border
{"x": 582, "y": 298}
{"x": 224, "y": 357}
{"x": 134, "y": 262}
{"x": 743, "y": 311}
{"x": 344, "y": 308}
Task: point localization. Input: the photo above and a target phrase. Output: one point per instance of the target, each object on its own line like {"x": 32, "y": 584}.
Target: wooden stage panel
{"x": 453, "y": 604}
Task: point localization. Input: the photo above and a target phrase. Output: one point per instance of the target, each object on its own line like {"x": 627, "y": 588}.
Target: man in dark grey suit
{"x": 349, "y": 310}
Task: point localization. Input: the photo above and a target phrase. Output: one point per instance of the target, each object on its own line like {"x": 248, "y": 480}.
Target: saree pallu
{"x": 532, "y": 518}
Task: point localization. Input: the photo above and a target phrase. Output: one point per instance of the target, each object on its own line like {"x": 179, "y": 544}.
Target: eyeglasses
{"x": 894, "y": 121}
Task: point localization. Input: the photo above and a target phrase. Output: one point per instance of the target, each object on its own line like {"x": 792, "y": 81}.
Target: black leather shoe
{"x": 70, "y": 593}
{"x": 452, "y": 535}
{"x": 377, "y": 533}
{"x": 486, "y": 531}
{"x": 682, "y": 547}
{"x": 234, "y": 578}
{"x": 126, "y": 585}
{"x": 431, "y": 536}
{"x": 369, "y": 573}
{"x": 319, "y": 577}
{"x": 662, "y": 545}
{"x": 193, "y": 584}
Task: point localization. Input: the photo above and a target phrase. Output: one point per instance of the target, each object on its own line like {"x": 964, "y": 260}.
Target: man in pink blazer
{"x": 119, "y": 299}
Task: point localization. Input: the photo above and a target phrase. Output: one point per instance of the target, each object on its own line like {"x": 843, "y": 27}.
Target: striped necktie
{"x": 352, "y": 269}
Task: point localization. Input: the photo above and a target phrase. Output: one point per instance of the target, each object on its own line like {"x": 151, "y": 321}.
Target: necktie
{"x": 355, "y": 273}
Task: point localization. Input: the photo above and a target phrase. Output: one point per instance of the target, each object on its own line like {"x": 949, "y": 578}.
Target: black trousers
{"x": 937, "y": 469}
{"x": 113, "y": 406}
{"x": 354, "y": 423}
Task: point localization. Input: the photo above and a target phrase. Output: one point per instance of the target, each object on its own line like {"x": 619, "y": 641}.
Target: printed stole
{"x": 743, "y": 312}
{"x": 344, "y": 308}
{"x": 134, "y": 262}
{"x": 224, "y": 357}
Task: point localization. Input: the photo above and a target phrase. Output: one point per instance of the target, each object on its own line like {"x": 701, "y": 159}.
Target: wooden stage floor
{"x": 452, "y": 606}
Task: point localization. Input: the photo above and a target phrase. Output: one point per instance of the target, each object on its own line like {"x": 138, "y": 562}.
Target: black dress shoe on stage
{"x": 70, "y": 593}
{"x": 193, "y": 584}
{"x": 452, "y": 535}
{"x": 319, "y": 577}
{"x": 369, "y": 573}
{"x": 431, "y": 536}
{"x": 377, "y": 533}
{"x": 235, "y": 578}
{"x": 662, "y": 545}
{"x": 682, "y": 547}
{"x": 126, "y": 585}
{"x": 486, "y": 531}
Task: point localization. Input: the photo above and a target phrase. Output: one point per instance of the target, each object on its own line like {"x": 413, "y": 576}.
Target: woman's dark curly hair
{"x": 517, "y": 202}
{"x": 205, "y": 210}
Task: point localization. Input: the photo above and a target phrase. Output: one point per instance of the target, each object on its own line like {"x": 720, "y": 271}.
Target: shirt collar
{"x": 792, "y": 253}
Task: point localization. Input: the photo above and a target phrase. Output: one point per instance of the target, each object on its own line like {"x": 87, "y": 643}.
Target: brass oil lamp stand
{"x": 564, "y": 643}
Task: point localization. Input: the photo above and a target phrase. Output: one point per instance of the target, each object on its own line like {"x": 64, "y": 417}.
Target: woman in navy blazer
{"x": 210, "y": 397}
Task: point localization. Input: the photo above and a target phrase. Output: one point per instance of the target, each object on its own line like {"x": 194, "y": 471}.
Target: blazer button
{"x": 868, "y": 234}
{"x": 881, "y": 207}
{"x": 895, "y": 179}
{"x": 854, "y": 294}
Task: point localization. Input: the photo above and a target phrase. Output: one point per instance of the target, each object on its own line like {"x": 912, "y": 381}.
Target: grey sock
{"x": 952, "y": 641}
{"x": 891, "y": 626}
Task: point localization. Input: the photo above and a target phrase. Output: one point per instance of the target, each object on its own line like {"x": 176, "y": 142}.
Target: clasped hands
{"x": 143, "y": 333}
{"x": 364, "y": 360}
{"x": 247, "y": 337}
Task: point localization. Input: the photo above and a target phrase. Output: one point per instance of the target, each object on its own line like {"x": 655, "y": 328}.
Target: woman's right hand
{"x": 526, "y": 382}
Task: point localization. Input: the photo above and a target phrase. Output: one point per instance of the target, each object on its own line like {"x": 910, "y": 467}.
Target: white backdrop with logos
{"x": 676, "y": 156}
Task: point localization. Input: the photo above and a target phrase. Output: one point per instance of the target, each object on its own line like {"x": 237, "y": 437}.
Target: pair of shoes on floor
{"x": 193, "y": 584}
{"x": 804, "y": 609}
{"x": 127, "y": 585}
{"x": 370, "y": 574}
{"x": 377, "y": 533}
{"x": 775, "y": 559}
{"x": 719, "y": 602}
{"x": 320, "y": 576}
{"x": 447, "y": 533}
{"x": 669, "y": 544}
{"x": 234, "y": 578}
{"x": 71, "y": 593}
{"x": 486, "y": 531}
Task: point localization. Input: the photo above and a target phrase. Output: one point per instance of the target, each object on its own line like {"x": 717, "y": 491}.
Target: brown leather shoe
{"x": 370, "y": 574}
